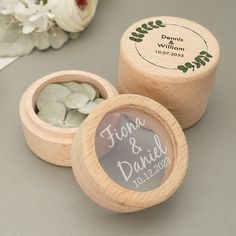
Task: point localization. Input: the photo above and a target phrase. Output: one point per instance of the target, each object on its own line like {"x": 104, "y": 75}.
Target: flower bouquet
{"x": 29, "y": 24}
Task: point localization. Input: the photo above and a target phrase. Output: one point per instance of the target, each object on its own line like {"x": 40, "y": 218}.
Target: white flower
{"x": 26, "y": 24}
{"x": 70, "y": 17}
{"x": 33, "y": 16}
{"x": 7, "y": 6}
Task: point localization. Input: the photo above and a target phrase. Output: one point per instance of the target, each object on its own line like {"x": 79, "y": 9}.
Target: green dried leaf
{"x": 73, "y": 86}
{"x": 53, "y": 113}
{"x": 89, "y": 91}
{"x": 89, "y": 107}
{"x": 76, "y": 100}
{"x": 99, "y": 100}
{"x": 74, "y": 119}
{"x": 52, "y": 93}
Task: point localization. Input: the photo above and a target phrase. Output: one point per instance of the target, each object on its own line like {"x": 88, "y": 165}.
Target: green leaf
{"x": 189, "y": 65}
{"x": 73, "y": 86}
{"x": 151, "y": 23}
{"x": 53, "y": 113}
{"x": 88, "y": 108}
{"x": 206, "y": 54}
{"x": 52, "y": 93}
{"x": 198, "y": 59}
{"x": 135, "y": 39}
{"x": 180, "y": 67}
{"x": 146, "y": 27}
{"x": 209, "y": 55}
{"x": 203, "y": 52}
{"x": 206, "y": 59}
{"x": 74, "y": 119}
{"x": 76, "y": 100}
{"x": 99, "y": 100}
{"x": 89, "y": 91}
{"x": 159, "y": 23}
{"x": 137, "y": 35}
{"x": 140, "y": 30}
{"x": 197, "y": 64}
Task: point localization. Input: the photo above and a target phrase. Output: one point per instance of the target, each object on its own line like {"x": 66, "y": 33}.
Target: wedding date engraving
{"x": 145, "y": 162}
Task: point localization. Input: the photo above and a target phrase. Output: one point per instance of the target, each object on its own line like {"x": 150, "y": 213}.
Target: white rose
{"x": 74, "y": 15}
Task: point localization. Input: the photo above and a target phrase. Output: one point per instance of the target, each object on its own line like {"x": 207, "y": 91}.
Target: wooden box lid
{"x": 129, "y": 154}
{"x": 171, "y": 60}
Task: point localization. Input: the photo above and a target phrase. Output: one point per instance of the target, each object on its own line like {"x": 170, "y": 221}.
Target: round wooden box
{"x": 172, "y": 61}
{"x": 129, "y": 154}
{"x": 50, "y": 143}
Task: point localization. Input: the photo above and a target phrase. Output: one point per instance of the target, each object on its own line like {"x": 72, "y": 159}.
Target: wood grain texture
{"x": 98, "y": 185}
{"x": 50, "y": 143}
{"x": 148, "y": 69}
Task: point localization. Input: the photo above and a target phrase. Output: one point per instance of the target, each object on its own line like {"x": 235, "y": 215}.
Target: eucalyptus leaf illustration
{"x": 135, "y": 39}
{"x": 147, "y": 27}
{"x": 151, "y": 23}
{"x": 159, "y": 23}
{"x": 76, "y": 100}
{"x": 198, "y": 59}
{"x": 189, "y": 65}
{"x": 197, "y": 64}
{"x": 52, "y": 93}
{"x": 137, "y": 35}
{"x": 201, "y": 60}
{"x": 183, "y": 68}
{"x": 53, "y": 113}
{"x": 144, "y": 29}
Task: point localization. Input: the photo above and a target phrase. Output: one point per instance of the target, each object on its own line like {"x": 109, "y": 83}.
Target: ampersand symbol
{"x": 135, "y": 148}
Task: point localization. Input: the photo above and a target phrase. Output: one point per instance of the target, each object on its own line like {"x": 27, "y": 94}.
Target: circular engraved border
{"x": 164, "y": 67}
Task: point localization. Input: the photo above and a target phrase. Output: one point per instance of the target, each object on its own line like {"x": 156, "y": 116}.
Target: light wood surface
{"x": 150, "y": 67}
{"x": 94, "y": 180}
{"x": 50, "y": 143}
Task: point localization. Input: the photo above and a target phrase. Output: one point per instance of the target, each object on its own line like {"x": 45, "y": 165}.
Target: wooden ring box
{"x": 163, "y": 164}
{"x": 171, "y": 60}
{"x": 100, "y": 183}
{"x": 50, "y": 143}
